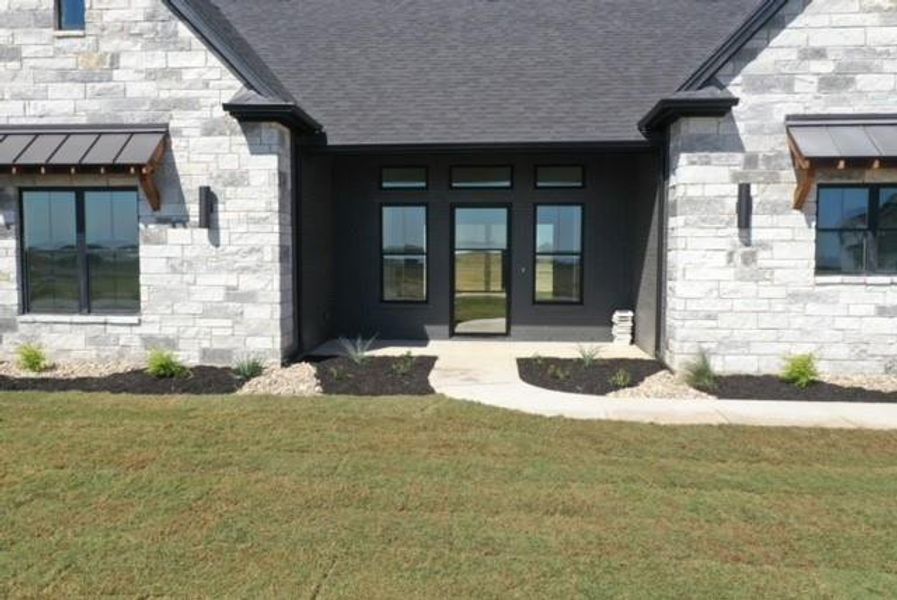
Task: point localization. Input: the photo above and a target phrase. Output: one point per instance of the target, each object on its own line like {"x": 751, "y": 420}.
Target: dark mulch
{"x": 376, "y": 376}
{"x": 202, "y": 380}
{"x": 571, "y": 375}
{"x": 770, "y": 387}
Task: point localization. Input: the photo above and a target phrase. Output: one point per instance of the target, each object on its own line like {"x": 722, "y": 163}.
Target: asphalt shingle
{"x": 482, "y": 71}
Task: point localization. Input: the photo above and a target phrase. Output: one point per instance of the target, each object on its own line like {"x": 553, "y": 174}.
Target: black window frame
{"x": 870, "y": 232}
{"x": 548, "y": 188}
{"x": 84, "y": 307}
{"x": 581, "y": 254}
{"x": 382, "y": 208}
{"x": 481, "y": 188}
{"x": 58, "y": 17}
{"x": 382, "y": 183}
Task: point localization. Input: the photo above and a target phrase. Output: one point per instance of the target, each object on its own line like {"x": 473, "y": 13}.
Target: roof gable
{"x": 482, "y": 71}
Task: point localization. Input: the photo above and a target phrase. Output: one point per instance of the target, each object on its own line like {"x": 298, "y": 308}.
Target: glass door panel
{"x": 480, "y": 272}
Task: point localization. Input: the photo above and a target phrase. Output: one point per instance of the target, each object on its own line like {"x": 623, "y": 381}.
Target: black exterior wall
{"x": 316, "y": 250}
{"x": 341, "y": 245}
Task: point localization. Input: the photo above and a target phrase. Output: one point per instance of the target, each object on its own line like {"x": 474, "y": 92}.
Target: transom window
{"x": 80, "y": 251}
{"x": 550, "y": 177}
{"x": 403, "y": 178}
{"x": 856, "y": 229}
{"x": 404, "y": 253}
{"x": 558, "y": 260}
{"x": 70, "y": 15}
{"x": 482, "y": 178}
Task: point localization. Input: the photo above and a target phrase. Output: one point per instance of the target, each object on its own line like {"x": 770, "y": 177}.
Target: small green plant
{"x": 403, "y": 365}
{"x": 338, "y": 374}
{"x": 800, "y": 371}
{"x": 558, "y": 372}
{"x": 162, "y": 364}
{"x": 588, "y": 355}
{"x": 538, "y": 360}
{"x": 621, "y": 379}
{"x": 357, "y": 350}
{"x": 33, "y": 358}
{"x": 249, "y": 369}
{"x": 700, "y": 375}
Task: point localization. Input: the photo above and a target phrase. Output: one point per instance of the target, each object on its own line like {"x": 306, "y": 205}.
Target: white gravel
{"x": 70, "y": 370}
{"x": 660, "y": 385}
{"x": 299, "y": 379}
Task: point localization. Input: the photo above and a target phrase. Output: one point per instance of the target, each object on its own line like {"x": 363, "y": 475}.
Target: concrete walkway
{"x": 486, "y": 372}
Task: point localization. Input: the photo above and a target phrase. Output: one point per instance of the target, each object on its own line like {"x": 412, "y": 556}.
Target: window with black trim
{"x": 482, "y": 178}
{"x": 404, "y": 253}
{"x": 403, "y": 178}
{"x": 558, "y": 259}
{"x": 856, "y": 229}
{"x": 70, "y": 15}
{"x": 554, "y": 177}
{"x": 80, "y": 251}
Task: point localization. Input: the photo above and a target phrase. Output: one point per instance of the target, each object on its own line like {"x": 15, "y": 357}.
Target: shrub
{"x": 403, "y": 365}
{"x": 33, "y": 358}
{"x": 801, "y": 371}
{"x": 249, "y": 368}
{"x": 163, "y": 365}
{"x": 558, "y": 372}
{"x": 357, "y": 350}
{"x": 588, "y": 355}
{"x": 621, "y": 379}
{"x": 699, "y": 374}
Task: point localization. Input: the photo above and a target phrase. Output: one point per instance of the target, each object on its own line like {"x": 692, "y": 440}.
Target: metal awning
{"x": 86, "y": 149}
{"x": 836, "y": 138}
{"x": 839, "y": 141}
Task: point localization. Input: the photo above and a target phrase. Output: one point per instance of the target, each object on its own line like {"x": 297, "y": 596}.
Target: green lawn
{"x": 430, "y": 498}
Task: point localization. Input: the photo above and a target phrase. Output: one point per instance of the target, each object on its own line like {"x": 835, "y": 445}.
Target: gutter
{"x": 668, "y": 110}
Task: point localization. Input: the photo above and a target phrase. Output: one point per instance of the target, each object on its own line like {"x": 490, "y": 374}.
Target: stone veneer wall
{"x": 211, "y": 295}
{"x": 748, "y": 305}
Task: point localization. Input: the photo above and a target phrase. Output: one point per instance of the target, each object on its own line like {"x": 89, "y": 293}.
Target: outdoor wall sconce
{"x": 745, "y": 206}
{"x": 206, "y": 206}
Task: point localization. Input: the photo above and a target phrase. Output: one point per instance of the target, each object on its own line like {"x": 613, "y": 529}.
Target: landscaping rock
{"x": 295, "y": 380}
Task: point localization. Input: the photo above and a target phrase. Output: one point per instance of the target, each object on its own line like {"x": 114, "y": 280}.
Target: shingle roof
{"x": 482, "y": 71}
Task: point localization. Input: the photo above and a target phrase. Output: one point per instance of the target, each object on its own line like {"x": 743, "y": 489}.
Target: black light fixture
{"x": 206, "y": 206}
{"x": 745, "y": 206}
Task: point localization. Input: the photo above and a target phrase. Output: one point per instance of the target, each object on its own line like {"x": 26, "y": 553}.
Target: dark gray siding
{"x": 646, "y": 256}
{"x": 616, "y": 187}
{"x": 316, "y": 242}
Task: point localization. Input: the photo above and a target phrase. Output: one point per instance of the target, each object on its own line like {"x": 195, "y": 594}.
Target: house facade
{"x": 229, "y": 179}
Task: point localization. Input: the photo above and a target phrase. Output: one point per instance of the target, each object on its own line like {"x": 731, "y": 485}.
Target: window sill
{"x": 81, "y": 319}
{"x": 69, "y": 33}
{"x": 856, "y": 280}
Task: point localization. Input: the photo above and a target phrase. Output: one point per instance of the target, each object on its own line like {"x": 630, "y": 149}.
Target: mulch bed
{"x": 376, "y": 376}
{"x": 770, "y": 387}
{"x": 571, "y": 375}
{"x": 202, "y": 380}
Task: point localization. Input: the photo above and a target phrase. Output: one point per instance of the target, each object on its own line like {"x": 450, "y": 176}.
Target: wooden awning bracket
{"x": 806, "y": 174}
{"x": 146, "y": 176}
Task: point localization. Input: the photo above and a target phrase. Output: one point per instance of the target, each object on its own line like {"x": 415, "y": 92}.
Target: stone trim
{"x": 80, "y": 319}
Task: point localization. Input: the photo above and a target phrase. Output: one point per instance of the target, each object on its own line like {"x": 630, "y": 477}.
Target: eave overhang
{"x": 668, "y": 110}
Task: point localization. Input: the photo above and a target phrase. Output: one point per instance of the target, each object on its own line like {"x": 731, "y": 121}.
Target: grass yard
{"x": 429, "y": 498}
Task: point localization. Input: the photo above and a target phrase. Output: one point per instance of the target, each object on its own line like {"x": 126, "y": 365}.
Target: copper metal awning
{"x": 838, "y": 141}
{"x": 137, "y": 150}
